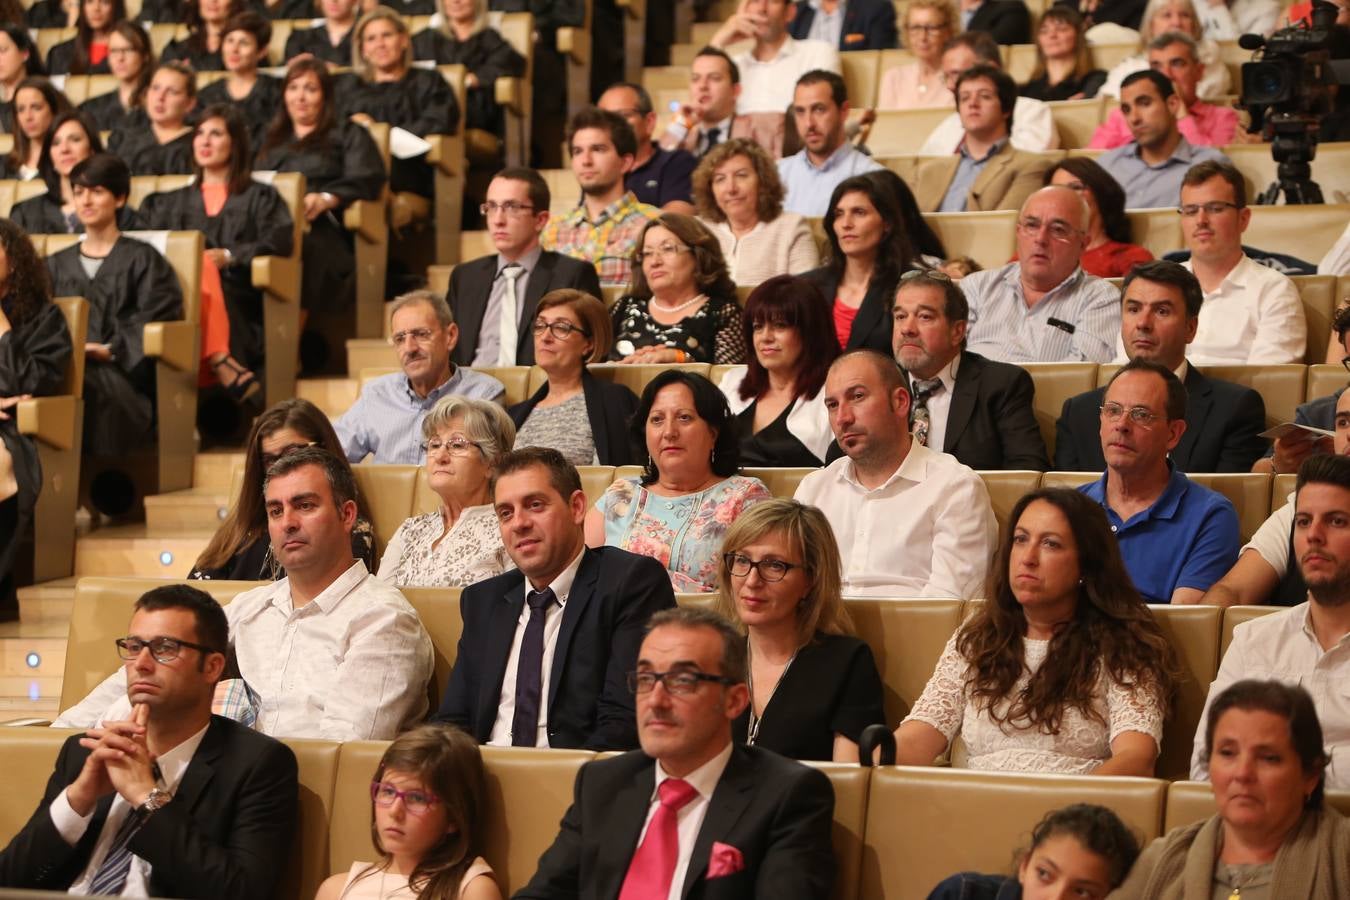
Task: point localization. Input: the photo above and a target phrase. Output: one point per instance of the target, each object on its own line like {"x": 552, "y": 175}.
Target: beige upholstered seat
{"x": 1193, "y": 632}
{"x": 1234, "y": 616}
{"x": 906, "y": 638}
{"x": 1055, "y": 383}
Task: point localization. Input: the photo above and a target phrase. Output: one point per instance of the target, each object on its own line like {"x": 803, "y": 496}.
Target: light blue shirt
{"x": 827, "y": 27}
{"x": 386, "y": 418}
{"x": 1154, "y": 187}
{"x": 967, "y": 170}
{"x": 809, "y": 186}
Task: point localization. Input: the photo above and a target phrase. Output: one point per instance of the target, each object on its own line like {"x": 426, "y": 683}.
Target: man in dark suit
{"x": 865, "y": 25}
{"x": 1007, "y": 21}
{"x": 976, "y": 409}
{"x": 175, "y": 802}
{"x": 493, "y": 298}
{"x": 754, "y": 824}
{"x": 529, "y": 673}
{"x": 1159, "y": 316}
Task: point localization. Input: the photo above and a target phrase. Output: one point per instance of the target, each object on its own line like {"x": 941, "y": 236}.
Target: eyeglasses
{"x": 935, "y": 274}
{"x": 1139, "y": 415}
{"x": 926, "y": 29}
{"x": 561, "y": 329}
{"x": 416, "y": 802}
{"x": 269, "y": 458}
{"x": 1213, "y": 208}
{"x": 685, "y": 681}
{"x": 163, "y": 649}
{"x": 1345, "y": 361}
{"x": 510, "y": 207}
{"x": 457, "y": 446}
{"x": 665, "y": 251}
{"x": 1059, "y": 231}
{"x": 769, "y": 569}
{"x": 420, "y": 335}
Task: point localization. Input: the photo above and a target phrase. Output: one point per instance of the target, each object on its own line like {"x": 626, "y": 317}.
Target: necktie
{"x": 653, "y": 865}
{"x": 922, "y": 391}
{"x": 529, "y": 671}
{"x": 508, "y": 316}
{"x": 714, "y": 135}
{"x": 111, "y": 877}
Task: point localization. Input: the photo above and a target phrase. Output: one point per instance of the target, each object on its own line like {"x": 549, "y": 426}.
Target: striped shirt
{"x": 1077, "y": 321}
{"x": 608, "y": 242}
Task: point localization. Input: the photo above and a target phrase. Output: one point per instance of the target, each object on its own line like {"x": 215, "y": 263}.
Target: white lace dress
{"x": 471, "y": 552}
{"x": 1080, "y": 745}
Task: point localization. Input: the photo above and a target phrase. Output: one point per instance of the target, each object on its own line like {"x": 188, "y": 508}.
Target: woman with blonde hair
{"x": 464, "y": 36}
{"x": 1064, "y": 69}
{"x": 927, "y": 26}
{"x": 739, "y": 196}
{"x": 463, "y": 440}
{"x": 1160, "y": 17}
{"x": 428, "y": 802}
{"x": 781, "y": 581}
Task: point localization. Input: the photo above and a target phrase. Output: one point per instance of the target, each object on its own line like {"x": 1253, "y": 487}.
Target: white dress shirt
{"x": 350, "y": 665}
{"x": 768, "y": 86}
{"x": 928, "y": 531}
{"x": 690, "y": 817}
{"x": 1283, "y": 647}
{"x": 940, "y": 403}
{"x": 72, "y": 826}
{"x": 1033, "y": 130}
{"x": 506, "y": 706}
{"x": 1253, "y": 318}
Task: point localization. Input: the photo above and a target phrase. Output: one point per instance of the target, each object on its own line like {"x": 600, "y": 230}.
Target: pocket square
{"x": 724, "y": 860}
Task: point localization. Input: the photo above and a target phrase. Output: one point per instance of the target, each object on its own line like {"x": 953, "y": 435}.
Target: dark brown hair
{"x": 197, "y": 30}
{"x": 799, "y": 304}
{"x": 282, "y": 129}
{"x": 1291, "y": 703}
{"x": 84, "y": 35}
{"x": 1108, "y": 193}
{"x": 45, "y": 169}
{"x": 1082, "y": 55}
{"x": 1212, "y": 168}
{"x": 137, "y": 37}
{"x": 895, "y": 252}
{"x": 592, "y": 313}
{"x": 562, "y": 475}
{"x": 29, "y": 287}
{"x": 55, "y": 100}
{"x": 241, "y": 156}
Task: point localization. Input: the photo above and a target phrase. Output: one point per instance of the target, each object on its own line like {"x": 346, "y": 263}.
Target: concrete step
{"x": 50, "y": 600}
{"x": 139, "y": 551}
{"x": 32, "y": 665}
{"x": 215, "y": 468}
{"x": 43, "y": 707}
{"x": 191, "y": 509}
{"x": 369, "y": 353}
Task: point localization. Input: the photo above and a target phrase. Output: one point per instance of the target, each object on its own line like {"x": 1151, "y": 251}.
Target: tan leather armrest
{"x": 277, "y": 275}
{"x": 27, "y": 722}
{"x": 510, "y": 93}
{"x": 366, "y": 218}
{"x": 636, "y": 9}
{"x": 574, "y": 43}
{"x": 49, "y": 419}
{"x": 172, "y": 342}
{"x": 446, "y": 153}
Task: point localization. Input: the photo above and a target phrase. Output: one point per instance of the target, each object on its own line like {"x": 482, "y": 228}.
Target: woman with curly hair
{"x": 1063, "y": 669}
{"x": 739, "y": 196}
{"x": 428, "y": 802}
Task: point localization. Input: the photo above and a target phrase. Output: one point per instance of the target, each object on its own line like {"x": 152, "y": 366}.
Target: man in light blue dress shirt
{"x": 820, "y": 109}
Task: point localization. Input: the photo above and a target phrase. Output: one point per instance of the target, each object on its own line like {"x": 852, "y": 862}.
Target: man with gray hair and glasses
{"x": 386, "y": 420}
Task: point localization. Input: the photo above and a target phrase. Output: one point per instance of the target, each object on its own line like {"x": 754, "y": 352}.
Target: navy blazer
{"x": 589, "y": 704}
{"x": 609, "y": 407}
{"x": 873, "y": 324}
{"x": 868, "y": 25}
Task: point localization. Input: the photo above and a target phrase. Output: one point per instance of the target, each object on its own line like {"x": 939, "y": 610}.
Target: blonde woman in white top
{"x": 927, "y": 26}
{"x": 460, "y": 543}
{"x": 1161, "y": 16}
{"x": 740, "y": 198}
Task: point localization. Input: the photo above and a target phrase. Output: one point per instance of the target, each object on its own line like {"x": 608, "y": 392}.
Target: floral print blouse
{"x": 683, "y": 533}
{"x": 471, "y": 551}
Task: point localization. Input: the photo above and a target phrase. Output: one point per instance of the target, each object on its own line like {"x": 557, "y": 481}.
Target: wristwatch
{"x": 157, "y": 799}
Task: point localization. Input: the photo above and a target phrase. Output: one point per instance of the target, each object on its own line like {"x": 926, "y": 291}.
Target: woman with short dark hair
{"x": 243, "y": 48}
{"x": 1109, "y": 253}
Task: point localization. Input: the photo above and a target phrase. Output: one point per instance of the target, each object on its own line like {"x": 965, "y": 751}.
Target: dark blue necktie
{"x": 111, "y": 877}
{"x": 529, "y": 670}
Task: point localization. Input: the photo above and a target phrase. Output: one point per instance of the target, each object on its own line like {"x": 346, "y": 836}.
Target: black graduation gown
{"x": 488, "y": 56}
{"x": 421, "y": 102}
{"x": 253, "y": 222}
{"x": 288, "y": 9}
{"x": 258, "y": 107}
{"x": 46, "y": 14}
{"x": 201, "y": 61}
{"x": 346, "y": 164}
{"x": 414, "y": 7}
{"x": 161, "y": 11}
{"x": 107, "y": 111}
{"x": 135, "y": 285}
{"x": 135, "y": 142}
{"x": 42, "y": 215}
{"x": 315, "y": 41}
{"x": 34, "y": 355}
{"x": 62, "y": 56}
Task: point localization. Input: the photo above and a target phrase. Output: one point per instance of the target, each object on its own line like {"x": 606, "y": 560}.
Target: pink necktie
{"x": 653, "y": 865}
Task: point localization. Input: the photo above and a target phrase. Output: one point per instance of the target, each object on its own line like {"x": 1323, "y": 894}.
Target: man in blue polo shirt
{"x": 1177, "y": 537}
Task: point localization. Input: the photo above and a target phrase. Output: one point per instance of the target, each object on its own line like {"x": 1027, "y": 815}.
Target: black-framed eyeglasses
{"x": 163, "y": 649}
{"x": 769, "y": 569}
{"x": 561, "y": 329}
{"x": 1213, "y": 208}
{"x": 1139, "y": 415}
{"x": 682, "y": 681}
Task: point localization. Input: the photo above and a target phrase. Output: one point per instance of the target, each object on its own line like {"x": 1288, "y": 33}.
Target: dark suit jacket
{"x": 226, "y": 834}
{"x": 471, "y": 284}
{"x": 872, "y": 327}
{"x": 991, "y": 423}
{"x": 868, "y": 25}
{"x": 1223, "y": 426}
{"x": 589, "y": 704}
{"x": 1007, "y": 21}
{"x": 609, "y": 407}
{"x": 776, "y": 812}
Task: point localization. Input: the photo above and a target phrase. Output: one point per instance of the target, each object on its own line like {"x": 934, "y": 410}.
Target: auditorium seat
{"x": 1192, "y": 801}
{"x": 850, "y": 783}
{"x": 1006, "y": 488}
{"x": 317, "y": 763}
{"x": 573, "y": 43}
{"x": 1330, "y": 168}
{"x": 28, "y": 755}
{"x": 989, "y": 238}
{"x": 388, "y": 490}
{"x": 563, "y": 191}
{"x": 781, "y": 482}
{"x": 1281, "y": 486}
{"x": 1324, "y": 379}
{"x": 901, "y": 132}
{"x": 1019, "y": 61}
{"x": 1306, "y": 232}
{"x": 515, "y": 94}
{"x": 1318, "y": 293}
{"x": 1193, "y": 632}
{"x": 634, "y": 377}
{"x": 1157, "y": 230}
{"x": 438, "y": 608}
{"x": 370, "y": 353}
{"x": 1055, "y": 383}
{"x": 1076, "y": 120}
{"x": 861, "y": 70}
{"x": 1233, "y": 616}
{"x": 1070, "y": 480}
{"x": 516, "y": 380}
{"x": 1249, "y": 493}
{"x": 368, "y": 223}
{"x": 907, "y": 638}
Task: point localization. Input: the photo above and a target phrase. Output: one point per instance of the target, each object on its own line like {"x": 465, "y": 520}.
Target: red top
{"x": 214, "y": 197}
{"x": 98, "y": 52}
{"x": 843, "y": 321}
{"x": 1113, "y": 260}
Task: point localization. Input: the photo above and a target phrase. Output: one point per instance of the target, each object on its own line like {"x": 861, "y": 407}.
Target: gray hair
{"x": 430, "y": 298}
{"x": 484, "y": 422}
{"x": 1168, "y": 38}
{"x": 1156, "y": 6}
{"x": 734, "y": 663}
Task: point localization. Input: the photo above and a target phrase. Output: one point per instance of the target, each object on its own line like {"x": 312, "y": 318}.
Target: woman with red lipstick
{"x": 1274, "y": 835}
{"x": 243, "y": 49}
{"x": 428, "y": 803}
{"x": 781, "y": 579}
{"x": 1063, "y": 669}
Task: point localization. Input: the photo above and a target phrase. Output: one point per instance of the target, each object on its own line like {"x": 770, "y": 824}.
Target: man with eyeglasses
{"x": 1176, "y": 537}
{"x": 494, "y": 298}
{"x": 692, "y": 814}
{"x": 171, "y": 800}
{"x": 1044, "y": 307}
{"x": 1150, "y": 167}
{"x": 385, "y": 422}
{"x": 1252, "y": 314}
{"x": 659, "y": 177}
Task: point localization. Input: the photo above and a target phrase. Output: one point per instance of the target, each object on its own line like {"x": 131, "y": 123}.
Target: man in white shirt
{"x": 710, "y": 117}
{"x": 169, "y": 801}
{"x": 1252, "y": 314}
{"x": 771, "y": 67}
{"x": 820, "y": 109}
{"x": 1044, "y": 307}
{"x": 1309, "y": 644}
{"x": 1033, "y": 128}
{"x": 910, "y": 521}
{"x": 692, "y": 814}
{"x": 330, "y": 651}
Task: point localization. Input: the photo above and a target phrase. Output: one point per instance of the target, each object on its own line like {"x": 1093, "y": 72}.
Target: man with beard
{"x": 820, "y": 110}
{"x": 1308, "y": 644}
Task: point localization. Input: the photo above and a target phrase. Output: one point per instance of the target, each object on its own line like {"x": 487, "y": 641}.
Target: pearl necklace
{"x": 674, "y": 309}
